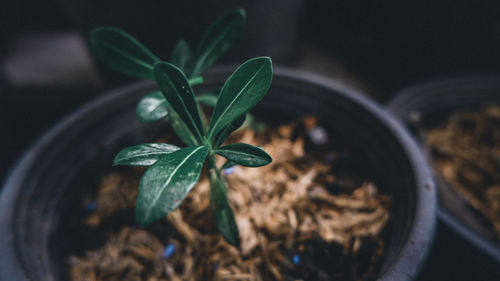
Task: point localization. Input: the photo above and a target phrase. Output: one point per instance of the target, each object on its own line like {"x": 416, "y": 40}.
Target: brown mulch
{"x": 466, "y": 151}
{"x": 291, "y": 226}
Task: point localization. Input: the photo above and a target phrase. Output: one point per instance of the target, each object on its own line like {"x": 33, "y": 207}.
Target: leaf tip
{"x": 116, "y": 160}
{"x": 269, "y": 159}
{"x": 163, "y": 67}
{"x": 268, "y": 61}
{"x": 96, "y": 32}
{"x": 265, "y": 60}
{"x": 140, "y": 216}
{"x": 241, "y": 12}
{"x": 159, "y": 69}
{"x": 234, "y": 241}
{"x": 141, "y": 222}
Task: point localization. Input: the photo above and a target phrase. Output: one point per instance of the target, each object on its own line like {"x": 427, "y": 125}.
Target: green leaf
{"x": 180, "y": 128}
{"x": 122, "y": 52}
{"x": 165, "y": 184}
{"x": 218, "y": 39}
{"x": 231, "y": 127}
{"x": 228, "y": 164}
{"x": 241, "y": 92}
{"x": 145, "y": 154}
{"x": 245, "y": 154}
{"x": 152, "y": 107}
{"x": 181, "y": 54}
{"x": 207, "y": 99}
{"x": 175, "y": 86}
{"x": 222, "y": 212}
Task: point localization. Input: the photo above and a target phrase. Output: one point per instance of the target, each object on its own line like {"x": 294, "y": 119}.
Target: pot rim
{"x": 403, "y": 267}
{"x": 426, "y": 192}
{"x": 408, "y": 94}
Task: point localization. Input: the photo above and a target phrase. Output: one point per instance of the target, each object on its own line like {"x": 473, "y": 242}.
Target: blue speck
{"x": 296, "y": 259}
{"x": 329, "y": 158}
{"x": 91, "y": 206}
{"x": 228, "y": 171}
{"x": 169, "y": 251}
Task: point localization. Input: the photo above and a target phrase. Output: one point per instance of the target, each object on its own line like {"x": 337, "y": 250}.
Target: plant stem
{"x": 212, "y": 167}
{"x": 219, "y": 203}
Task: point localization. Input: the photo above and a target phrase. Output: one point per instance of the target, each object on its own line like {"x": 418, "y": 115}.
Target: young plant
{"x": 173, "y": 171}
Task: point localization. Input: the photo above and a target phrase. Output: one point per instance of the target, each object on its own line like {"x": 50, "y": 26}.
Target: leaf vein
{"x": 167, "y": 182}
{"x": 186, "y": 109}
{"x": 234, "y": 100}
{"x": 126, "y": 55}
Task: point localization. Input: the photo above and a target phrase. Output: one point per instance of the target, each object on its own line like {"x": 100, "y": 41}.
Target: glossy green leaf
{"x": 222, "y": 212}
{"x": 218, "y": 39}
{"x": 175, "y": 86}
{"x": 180, "y": 128}
{"x": 245, "y": 154}
{"x": 241, "y": 92}
{"x": 165, "y": 184}
{"x": 181, "y": 54}
{"x": 231, "y": 127}
{"x": 145, "y": 154}
{"x": 122, "y": 52}
{"x": 152, "y": 107}
{"x": 228, "y": 164}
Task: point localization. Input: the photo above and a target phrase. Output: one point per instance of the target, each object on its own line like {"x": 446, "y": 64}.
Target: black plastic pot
{"x": 40, "y": 198}
{"x": 424, "y": 106}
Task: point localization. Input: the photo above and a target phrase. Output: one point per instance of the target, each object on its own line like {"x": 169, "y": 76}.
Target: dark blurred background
{"x": 380, "y": 47}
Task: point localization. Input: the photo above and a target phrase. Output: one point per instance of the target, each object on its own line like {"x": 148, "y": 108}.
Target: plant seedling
{"x": 173, "y": 171}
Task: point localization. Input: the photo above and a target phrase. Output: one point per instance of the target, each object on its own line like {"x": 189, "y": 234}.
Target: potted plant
{"x": 40, "y": 203}
{"x": 448, "y": 116}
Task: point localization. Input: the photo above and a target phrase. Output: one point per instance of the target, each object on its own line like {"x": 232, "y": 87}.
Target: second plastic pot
{"x": 426, "y": 105}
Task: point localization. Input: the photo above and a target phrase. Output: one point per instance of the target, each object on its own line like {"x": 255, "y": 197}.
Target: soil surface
{"x": 465, "y": 150}
{"x": 297, "y": 218}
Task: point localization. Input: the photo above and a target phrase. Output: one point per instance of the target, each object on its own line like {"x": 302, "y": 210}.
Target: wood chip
{"x": 466, "y": 151}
